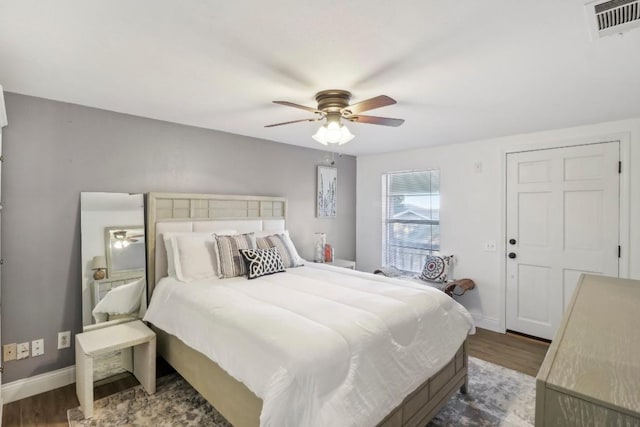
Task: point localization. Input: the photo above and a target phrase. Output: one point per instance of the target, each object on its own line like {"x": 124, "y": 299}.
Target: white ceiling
{"x": 460, "y": 70}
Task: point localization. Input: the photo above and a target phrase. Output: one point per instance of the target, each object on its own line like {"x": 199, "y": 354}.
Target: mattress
{"x": 320, "y": 345}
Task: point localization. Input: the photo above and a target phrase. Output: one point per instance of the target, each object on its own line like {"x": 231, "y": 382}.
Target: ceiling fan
{"x": 333, "y": 105}
{"x": 122, "y": 239}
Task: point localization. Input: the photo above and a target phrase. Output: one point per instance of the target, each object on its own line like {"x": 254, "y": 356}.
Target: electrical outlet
{"x": 64, "y": 339}
{"x": 490, "y": 245}
{"x": 37, "y": 347}
{"x": 23, "y": 350}
{"x": 9, "y": 352}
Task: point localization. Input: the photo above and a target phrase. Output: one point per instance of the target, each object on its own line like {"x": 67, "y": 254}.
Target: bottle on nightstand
{"x": 328, "y": 253}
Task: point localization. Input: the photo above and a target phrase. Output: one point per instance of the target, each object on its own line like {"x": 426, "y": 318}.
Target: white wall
{"x": 472, "y": 205}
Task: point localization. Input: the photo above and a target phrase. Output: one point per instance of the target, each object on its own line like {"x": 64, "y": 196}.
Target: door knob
{"x": 512, "y": 255}
{"x": 512, "y": 241}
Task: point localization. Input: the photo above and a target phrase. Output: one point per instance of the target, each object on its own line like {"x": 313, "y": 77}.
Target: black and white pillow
{"x": 285, "y": 247}
{"x": 231, "y": 263}
{"x": 436, "y": 268}
{"x": 261, "y": 262}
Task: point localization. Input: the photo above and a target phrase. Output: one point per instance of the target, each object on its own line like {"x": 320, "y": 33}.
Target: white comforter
{"x": 321, "y": 346}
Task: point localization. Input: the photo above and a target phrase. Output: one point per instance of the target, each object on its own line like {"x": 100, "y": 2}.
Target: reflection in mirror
{"x": 124, "y": 246}
{"x": 113, "y": 270}
{"x": 113, "y": 258}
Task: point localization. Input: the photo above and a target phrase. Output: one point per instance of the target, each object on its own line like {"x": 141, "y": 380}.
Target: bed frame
{"x": 239, "y": 405}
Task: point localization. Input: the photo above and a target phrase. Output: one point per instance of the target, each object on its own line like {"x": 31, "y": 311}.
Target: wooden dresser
{"x": 591, "y": 373}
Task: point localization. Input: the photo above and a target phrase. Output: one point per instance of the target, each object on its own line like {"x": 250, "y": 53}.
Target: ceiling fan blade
{"x": 302, "y": 107}
{"x": 294, "y": 121}
{"x": 373, "y": 120}
{"x": 369, "y": 104}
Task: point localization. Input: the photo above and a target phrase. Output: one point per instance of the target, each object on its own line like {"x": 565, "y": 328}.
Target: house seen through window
{"x": 410, "y": 218}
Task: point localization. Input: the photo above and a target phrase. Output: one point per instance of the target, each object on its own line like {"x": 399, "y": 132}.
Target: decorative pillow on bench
{"x": 436, "y": 268}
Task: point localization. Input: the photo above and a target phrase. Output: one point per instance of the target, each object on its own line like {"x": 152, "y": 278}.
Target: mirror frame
{"x": 111, "y": 273}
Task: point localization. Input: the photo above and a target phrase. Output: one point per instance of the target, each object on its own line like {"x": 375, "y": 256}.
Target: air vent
{"x": 612, "y": 16}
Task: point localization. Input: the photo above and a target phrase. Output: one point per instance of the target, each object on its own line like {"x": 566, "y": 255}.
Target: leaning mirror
{"x": 113, "y": 258}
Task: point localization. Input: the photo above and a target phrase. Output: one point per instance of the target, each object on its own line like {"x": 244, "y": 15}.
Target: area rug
{"x": 497, "y": 397}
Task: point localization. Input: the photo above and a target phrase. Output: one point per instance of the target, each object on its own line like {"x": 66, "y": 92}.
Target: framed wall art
{"x": 327, "y": 192}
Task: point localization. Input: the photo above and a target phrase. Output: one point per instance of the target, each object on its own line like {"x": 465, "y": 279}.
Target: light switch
{"x": 23, "y": 350}
{"x": 490, "y": 245}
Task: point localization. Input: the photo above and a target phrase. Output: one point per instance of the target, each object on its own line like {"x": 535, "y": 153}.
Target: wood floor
{"x": 512, "y": 351}
{"x": 50, "y": 408}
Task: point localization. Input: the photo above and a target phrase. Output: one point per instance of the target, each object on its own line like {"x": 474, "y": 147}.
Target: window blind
{"x": 411, "y": 218}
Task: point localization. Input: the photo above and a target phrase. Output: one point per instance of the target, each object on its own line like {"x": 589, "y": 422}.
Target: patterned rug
{"x": 497, "y": 397}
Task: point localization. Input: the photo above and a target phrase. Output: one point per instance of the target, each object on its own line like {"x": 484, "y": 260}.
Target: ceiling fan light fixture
{"x": 346, "y": 136}
{"x": 333, "y": 105}
{"x": 333, "y": 133}
{"x": 120, "y": 244}
{"x": 321, "y": 135}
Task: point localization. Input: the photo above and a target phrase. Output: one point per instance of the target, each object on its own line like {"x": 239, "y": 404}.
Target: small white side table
{"x": 99, "y": 341}
{"x": 344, "y": 263}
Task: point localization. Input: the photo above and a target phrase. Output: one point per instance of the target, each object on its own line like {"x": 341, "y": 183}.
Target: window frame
{"x": 387, "y": 223}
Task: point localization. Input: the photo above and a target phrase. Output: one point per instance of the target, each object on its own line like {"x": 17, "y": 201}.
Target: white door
{"x": 562, "y": 220}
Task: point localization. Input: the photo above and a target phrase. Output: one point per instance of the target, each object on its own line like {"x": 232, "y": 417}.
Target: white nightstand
{"x": 94, "y": 343}
{"x": 344, "y": 263}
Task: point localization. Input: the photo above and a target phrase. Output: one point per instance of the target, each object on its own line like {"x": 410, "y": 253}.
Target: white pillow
{"x": 168, "y": 246}
{"x": 124, "y": 299}
{"x": 171, "y": 267}
{"x": 192, "y": 256}
{"x": 298, "y": 260}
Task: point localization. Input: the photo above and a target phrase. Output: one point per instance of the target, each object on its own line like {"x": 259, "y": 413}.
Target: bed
{"x": 423, "y": 386}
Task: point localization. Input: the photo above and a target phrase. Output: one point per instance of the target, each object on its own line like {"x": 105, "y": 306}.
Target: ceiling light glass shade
{"x": 345, "y": 135}
{"x": 333, "y": 133}
{"x": 120, "y": 244}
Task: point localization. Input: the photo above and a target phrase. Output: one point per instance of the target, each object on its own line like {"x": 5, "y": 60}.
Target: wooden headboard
{"x": 204, "y": 212}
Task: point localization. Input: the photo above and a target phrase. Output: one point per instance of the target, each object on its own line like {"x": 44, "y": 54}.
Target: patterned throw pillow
{"x": 231, "y": 263}
{"x": 260, "y": 262}
{"x": 284, "y": 245}
{"x": 436, "y": 268}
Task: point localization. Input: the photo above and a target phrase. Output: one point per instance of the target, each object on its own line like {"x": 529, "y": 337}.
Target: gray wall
{"x": 53, "y": 151}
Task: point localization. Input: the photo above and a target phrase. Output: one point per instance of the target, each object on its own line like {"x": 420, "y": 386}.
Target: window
{"x": 410, "y": 218}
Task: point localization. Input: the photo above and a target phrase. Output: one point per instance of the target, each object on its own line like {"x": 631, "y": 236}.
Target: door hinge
{"x": 1, "y": 369}
{"x": 619, "y": 251}
{"x": 619, "y": 167}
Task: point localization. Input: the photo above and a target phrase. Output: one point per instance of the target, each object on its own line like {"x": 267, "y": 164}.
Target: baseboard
{"x": 485, "y": 322}
{"x": 37, "y": 384}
